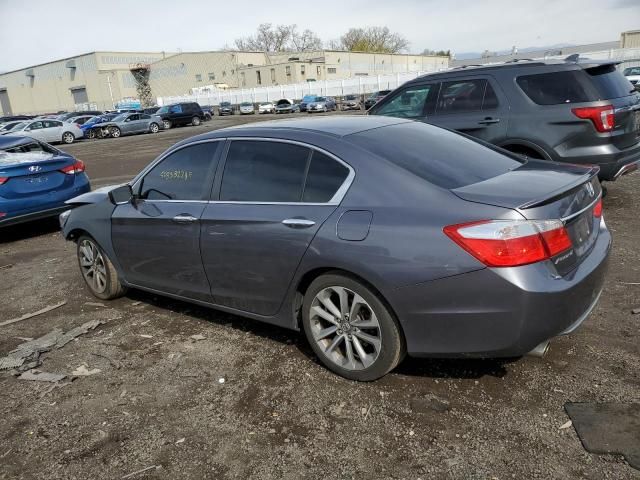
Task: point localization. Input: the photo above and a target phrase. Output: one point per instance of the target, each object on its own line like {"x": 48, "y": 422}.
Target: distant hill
{"x": 471, "y": 55}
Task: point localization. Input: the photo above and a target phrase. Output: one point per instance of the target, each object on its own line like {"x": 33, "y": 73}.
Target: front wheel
{"x": 154, "y": 128}
{"x": 68, "y": 137}
{"x": 91, "y": 134}
{"x": 195, "y": 121}
{"x": 97, "y": 270}
{"x": 115, "y": 132}
{"x": 350, "y": 329}
{"x": 166, "y": 124}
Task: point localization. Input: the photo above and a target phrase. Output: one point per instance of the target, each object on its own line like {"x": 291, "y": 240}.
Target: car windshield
{"x": 121, "y": 117}
{"x": 350, "y": 97}
{"x": 225, "y": 104}
{"x": 309, "y": 98}
{"x": 265, "y": 103}
{"x": 246, "y": 104}
{"x": 321, "y": 99}
{"x": 632, "y": 71}
{"x": 163, "y": 110}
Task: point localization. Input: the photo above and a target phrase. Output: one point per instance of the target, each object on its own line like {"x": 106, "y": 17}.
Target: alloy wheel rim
{"x": 166, "y": 124}
{"x": 115, "y": 132}
{"x": 68, "y": 138}
{"x": 345, "y": 328}
{"x": 93, "y": 267}
{"x": 154, "y": 128}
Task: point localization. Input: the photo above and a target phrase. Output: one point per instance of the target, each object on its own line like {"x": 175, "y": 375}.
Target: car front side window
{"x": 185, "y": 174}
{"x": 408, "y": 103}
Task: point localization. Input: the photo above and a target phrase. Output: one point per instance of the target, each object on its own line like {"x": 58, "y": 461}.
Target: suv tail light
{"x": 602, "y": 117}
{"x": 77, "y": 167}
{"x": 510, "y": 243}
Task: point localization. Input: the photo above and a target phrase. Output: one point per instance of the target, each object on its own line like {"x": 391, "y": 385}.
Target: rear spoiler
{"x": 555, "y": 195}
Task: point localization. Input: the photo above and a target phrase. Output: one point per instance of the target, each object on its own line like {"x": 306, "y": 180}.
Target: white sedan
{"x": 266, "y": 107}
{"x": 49, "y": 131}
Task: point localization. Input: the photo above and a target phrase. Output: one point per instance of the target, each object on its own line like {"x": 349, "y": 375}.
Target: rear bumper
{"x": 43, "y": 205}
{"x": 613, "y": 162}
{"x": 499, "y": 312}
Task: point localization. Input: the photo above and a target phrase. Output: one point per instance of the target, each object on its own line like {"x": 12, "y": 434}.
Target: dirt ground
{"x": 158, "y": 401}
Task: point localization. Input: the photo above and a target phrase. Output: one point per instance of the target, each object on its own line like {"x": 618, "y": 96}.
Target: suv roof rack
{"x": 516, "y": 60}
{"x": 467, "y": 66}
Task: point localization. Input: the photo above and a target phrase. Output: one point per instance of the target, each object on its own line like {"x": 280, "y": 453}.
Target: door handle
{"x": 184, "y": 218}
{"x": 489, "y": 121}
{"x": 298, "y": 223}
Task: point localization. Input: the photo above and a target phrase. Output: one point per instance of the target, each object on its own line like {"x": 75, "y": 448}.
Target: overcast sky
{"x": 37, "y": 31}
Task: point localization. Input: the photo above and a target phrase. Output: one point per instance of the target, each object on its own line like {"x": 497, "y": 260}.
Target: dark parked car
{"x": 565, "y": 111}
{"x": 374, "y": 98}
{"x": 225, "y": 108}
{"x": 208, "y": 112}
{"x": 177, "y": 114}
{"x": 376, "y": 236}
{"x": 150, "y": 110}
{"x": 36, "y": 180}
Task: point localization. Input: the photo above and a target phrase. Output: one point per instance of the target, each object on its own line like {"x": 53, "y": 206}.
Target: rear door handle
{"x": 489, "y": 121}
{"x": 298, "y": 223}
{"x": 184, "y": 218}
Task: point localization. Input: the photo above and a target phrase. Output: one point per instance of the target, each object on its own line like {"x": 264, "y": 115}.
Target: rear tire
{"x": 68, "y": 137}
{"x": 166, "y": 124}
{"x": 364, "y": 342}
{"x": 195, "y": 121}
{"x": 91, "y": 134}
{"x": 98, "y": 272}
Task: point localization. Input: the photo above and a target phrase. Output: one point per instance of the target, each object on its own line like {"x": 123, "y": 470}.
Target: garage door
{"x": 79, "y": 95}
{"x": 5, "y": 105}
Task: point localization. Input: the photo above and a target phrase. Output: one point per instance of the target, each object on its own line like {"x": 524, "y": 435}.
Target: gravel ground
{"x": 158, "y": 402}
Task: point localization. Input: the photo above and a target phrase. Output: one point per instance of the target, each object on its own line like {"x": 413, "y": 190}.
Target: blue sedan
{"x": 36, "y": 179}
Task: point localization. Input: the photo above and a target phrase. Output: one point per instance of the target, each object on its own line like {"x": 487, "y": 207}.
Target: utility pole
{"x": 113, "y": 105}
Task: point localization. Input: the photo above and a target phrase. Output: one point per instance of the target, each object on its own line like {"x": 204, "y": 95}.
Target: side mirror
{"x": 121, "y": 195}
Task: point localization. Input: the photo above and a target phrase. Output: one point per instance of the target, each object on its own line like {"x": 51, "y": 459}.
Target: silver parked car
{"x": 351, "y": 102}
{"x": 247, "y": 108}
{"x": 127, "y": 124}
{"x": 49, "y": 131}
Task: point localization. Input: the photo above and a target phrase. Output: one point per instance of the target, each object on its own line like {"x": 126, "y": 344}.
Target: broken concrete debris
{"x": 26, "y": 356}
{"x": 26, "y": 316}
{"x": 38, "y": 376}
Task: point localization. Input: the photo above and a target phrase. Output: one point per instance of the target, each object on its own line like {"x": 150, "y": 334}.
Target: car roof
{"x": 517, "y": 64}
{"x": 11, "y": 141}
{"x": 336, "y": 126}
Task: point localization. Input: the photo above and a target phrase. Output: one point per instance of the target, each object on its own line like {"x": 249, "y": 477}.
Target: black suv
{"x": 568, "y": 111}
{"x": 181, "y": 114}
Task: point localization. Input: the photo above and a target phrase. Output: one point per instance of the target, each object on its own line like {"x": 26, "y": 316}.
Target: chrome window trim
{"x": 573, "y": 215}
{"x": 335, "y": 200}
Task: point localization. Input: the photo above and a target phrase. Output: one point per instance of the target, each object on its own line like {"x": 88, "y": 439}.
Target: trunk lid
{"x": 35, "y": 172}
{"x": 545, "y": 191}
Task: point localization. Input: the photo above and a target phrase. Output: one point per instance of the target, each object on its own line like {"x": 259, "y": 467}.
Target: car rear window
{"x": 609, "y": 82}
{"x": 441, "y": 157}
{"x": 554, "y": 88}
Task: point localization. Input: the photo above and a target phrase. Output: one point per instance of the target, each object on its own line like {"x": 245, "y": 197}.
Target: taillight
{"x": 3, "y": 179}
{"x": 602, "y": 117}
{"x": 510, "y": 243}
{"x": 597, "y": 210}
{"x": 74, "y": 169}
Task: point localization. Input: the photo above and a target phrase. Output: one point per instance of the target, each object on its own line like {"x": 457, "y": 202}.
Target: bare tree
{"x": 371, "y": 39}
{"x": 279, "y": 38}
{"x": 306, "y": 41}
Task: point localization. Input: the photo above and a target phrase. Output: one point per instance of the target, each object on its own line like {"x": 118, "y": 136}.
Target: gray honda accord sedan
{"x": 377, "y": 236}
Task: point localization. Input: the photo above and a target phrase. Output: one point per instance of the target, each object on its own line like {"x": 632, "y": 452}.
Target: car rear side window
{"x": 441, "y": 157}
{"x": 609, "y": 82}
{"x": 324, "y": 178}
{"x": 461, "y": 96}
{"x": 555, "y": 88}
{"x": 183, "y": 175}
{"x": 259, "y": 171}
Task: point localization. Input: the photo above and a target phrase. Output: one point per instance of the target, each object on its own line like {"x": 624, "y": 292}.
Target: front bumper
{"x": 501, "y": 312}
